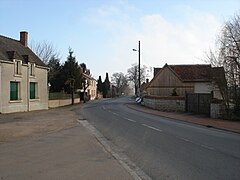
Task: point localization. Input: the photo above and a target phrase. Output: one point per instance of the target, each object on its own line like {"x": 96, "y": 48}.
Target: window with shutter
{"x": 14, "y": 90}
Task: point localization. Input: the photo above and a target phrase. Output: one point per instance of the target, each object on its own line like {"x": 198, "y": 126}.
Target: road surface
{"x": 164, "y": 148}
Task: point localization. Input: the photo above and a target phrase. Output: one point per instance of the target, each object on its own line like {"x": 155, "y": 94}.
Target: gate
{"x": 198, "y": 103}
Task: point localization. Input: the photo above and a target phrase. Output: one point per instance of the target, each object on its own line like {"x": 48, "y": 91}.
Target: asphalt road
{"x": 164, "y": 148}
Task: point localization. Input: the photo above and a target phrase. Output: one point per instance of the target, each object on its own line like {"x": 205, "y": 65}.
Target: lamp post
{"x": 139, "y": 68}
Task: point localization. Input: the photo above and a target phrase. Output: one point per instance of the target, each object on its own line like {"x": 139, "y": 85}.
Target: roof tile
{"x": 11, "y": 48}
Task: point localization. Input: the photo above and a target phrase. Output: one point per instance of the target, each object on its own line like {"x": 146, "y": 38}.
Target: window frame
{"x": 32, "y": 69}
{"x": 17, "y": 67}
{"x": 33, "y": 90}
{"x": 17, "y": 91}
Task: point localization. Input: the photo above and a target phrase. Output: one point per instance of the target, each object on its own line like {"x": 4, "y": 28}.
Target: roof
{"x": 12, "y": 49}
{"x": 88, "y": 76}
{"x": 193, "y": 72}
{"x": 196, "y": 72}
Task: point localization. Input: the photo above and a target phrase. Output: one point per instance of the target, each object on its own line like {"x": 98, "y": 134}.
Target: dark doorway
{"x": 198, "y": 103}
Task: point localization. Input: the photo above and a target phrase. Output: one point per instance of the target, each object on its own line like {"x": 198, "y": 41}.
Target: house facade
{"x": 23, "y": 77}
{"x": 177, "y": 80}
{"x": 186, "y": 88}
{"x": 92, "y": 86}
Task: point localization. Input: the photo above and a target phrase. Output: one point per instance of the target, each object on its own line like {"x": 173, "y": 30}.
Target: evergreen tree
{"x": 71, "y": 73}
{"x": 106, "y": 86}
{"x": 100, "y": 85}
{"x": 54, "y": 75}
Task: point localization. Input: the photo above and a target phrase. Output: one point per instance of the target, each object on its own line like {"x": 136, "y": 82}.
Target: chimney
{"x": 24, "y": 38}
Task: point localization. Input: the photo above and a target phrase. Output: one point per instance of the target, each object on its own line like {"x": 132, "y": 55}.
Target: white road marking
{"x": 156, "y": 129}
{"x": 104, "y": 107}
{"x": 208, "y": 147}
{"x": 187, "y": 140}
{"x": 115, "y": 113}
{"x": 130, "y": 120}
{"x": 204, "y": 146}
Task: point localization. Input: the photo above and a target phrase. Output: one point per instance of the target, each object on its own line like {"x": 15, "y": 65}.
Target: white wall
{"x": 207, "y": 88}
{"x": 202, "y": 87}
{"x": 42, "y": 90}
{"x": 93, "y": 89}
{"x": 7, "y": 75}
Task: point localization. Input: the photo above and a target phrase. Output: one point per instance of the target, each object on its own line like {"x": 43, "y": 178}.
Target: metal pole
{"x": 139, "y": 68}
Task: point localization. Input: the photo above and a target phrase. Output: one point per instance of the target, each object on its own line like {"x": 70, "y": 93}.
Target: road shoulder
{"x": 233, "y": 126}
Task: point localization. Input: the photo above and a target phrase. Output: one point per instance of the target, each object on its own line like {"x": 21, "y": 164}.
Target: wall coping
{"x": 165, "y": 97}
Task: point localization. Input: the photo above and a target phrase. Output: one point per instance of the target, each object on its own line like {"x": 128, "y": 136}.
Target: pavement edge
{"x": 126, "y": 163}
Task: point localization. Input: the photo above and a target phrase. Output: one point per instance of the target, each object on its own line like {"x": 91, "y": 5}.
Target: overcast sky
{"x": 103, "y": 33}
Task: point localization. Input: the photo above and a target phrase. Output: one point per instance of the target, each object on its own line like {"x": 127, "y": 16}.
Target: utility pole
{"x": 139, "y": 69}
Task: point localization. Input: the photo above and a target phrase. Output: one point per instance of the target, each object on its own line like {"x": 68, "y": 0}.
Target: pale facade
{"x": 92, "y": 88}
{"x": 23, "y": 77}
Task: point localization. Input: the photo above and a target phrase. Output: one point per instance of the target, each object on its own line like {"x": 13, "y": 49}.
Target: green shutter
{"x": 13, "y": 91}
{"x": 32, "y": 90}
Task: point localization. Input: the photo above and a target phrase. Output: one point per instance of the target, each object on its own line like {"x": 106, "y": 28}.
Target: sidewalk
{"x": 52, "y": 144}
{"x": 233, "y": 126}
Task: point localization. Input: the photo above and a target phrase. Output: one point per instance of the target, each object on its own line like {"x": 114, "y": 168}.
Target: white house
{"x": 23, "y": 77}
{"x": 92, "y": 86}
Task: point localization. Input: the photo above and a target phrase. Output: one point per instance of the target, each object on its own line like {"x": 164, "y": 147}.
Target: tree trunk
{"x": 72, "y": 96}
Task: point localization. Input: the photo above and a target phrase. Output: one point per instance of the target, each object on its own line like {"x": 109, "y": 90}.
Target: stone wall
{"x": 217, "y": 110}
{"x": 170, "y": 104}
{"x": 177, "y": 104}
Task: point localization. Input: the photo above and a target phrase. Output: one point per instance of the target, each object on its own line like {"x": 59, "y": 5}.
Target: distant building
{"x": 23, "y": 77}
{"x": 92, "y": 86}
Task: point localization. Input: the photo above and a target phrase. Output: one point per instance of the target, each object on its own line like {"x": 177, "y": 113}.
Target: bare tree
{"x": 228, "y": 56}
{"x": 44, "y": 50}
{"x": 120, "y": 81}
{"x": 133, "y": 76}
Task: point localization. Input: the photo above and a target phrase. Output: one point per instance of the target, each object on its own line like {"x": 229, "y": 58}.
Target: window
{"x": 32, "y": 69}
{"x": 33, "y": 90}
{"x": 18, "y": 67}
{"x": 14, "y": 90}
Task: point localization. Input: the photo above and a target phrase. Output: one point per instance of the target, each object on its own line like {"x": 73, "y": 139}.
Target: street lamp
{"x": 139, "y": 68}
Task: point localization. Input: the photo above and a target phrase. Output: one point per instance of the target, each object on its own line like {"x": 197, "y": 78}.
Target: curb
{"x": 123, "y": 160}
